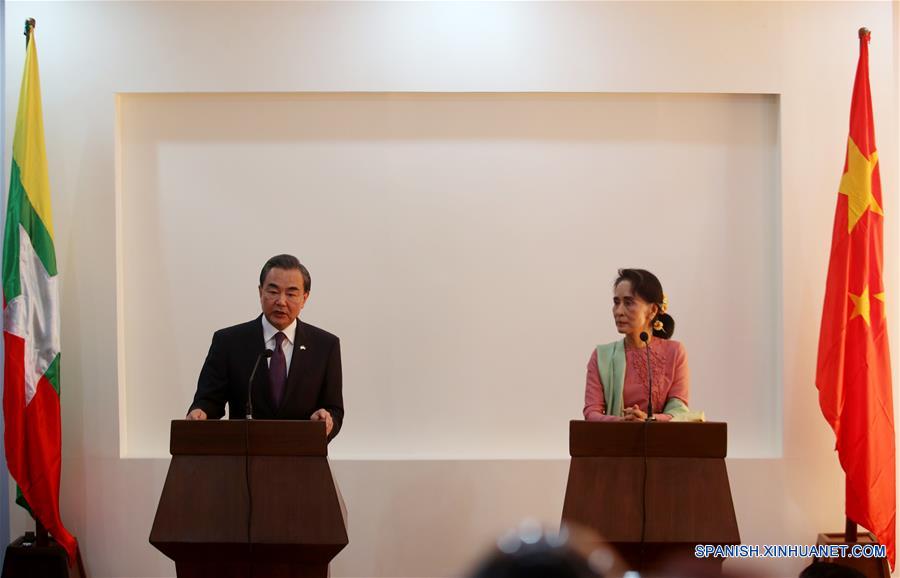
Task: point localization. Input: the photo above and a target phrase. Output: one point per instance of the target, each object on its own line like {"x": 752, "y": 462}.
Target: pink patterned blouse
{"x": 670, "y": 379}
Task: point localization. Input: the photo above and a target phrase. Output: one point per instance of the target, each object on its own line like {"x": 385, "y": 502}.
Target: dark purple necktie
{"x": 278, "y": 370}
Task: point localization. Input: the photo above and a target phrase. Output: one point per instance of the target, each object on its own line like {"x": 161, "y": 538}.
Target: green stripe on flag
{"x": 12, "y": 285}
{"x": 20, "y": 212}
{"x": 52, "y": 373}
{"x": 20, "y": 499}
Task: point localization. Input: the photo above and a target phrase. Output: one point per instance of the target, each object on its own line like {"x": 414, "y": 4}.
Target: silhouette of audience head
{"x": 530, "y": 552}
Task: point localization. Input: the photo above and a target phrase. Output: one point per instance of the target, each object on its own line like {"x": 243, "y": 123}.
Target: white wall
{"x": 463, "y": 247}
{"x": 805, "y": 53}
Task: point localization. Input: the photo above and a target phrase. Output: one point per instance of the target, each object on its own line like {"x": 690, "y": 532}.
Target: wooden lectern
{"x": 249, "y": 498}
{"x": 687, "y": 495}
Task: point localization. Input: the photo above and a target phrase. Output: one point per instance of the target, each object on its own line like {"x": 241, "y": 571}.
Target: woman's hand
{"x": 634, "y": 413}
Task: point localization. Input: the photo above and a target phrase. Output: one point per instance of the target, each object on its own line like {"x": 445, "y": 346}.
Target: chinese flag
{"x": 853, "y": 373}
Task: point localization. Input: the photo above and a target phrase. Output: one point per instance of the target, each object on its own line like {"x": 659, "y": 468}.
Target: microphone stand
{"x": 645, "y": 337}
{"x": 248, "y": 408}
{"x": 264, "y": 354}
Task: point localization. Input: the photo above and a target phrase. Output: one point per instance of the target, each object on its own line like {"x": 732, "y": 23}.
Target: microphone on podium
{"x": 646, "y": 339}
{"x": 265, "y": 354}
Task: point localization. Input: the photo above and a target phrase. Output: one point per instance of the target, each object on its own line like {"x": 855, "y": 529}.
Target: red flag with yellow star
{"x": 853, "y": 372}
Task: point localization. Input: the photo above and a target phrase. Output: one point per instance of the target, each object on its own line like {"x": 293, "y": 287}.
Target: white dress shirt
{"x": 287, "y": 345}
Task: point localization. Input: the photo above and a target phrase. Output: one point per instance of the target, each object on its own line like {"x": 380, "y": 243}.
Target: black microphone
{"x": 646, "y": 339}
{"x": 265, "y": 354}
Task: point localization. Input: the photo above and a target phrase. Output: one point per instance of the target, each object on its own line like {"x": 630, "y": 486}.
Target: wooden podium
{"x": 688, "y": 498}
{"x": 249, "y": 498}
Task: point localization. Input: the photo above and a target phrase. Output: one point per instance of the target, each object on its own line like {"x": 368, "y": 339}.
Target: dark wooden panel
{"x": 295, "y": 502}
{"x": 698, "y": 440}
{"x": 193, "y": 554}
{"x": 204, "y": 500}
{"x": 604, "y": 494}
{"x": 289, "y": 569}
{"x": 688, "y": 496}
{"x": 689, "y": 500}
{"x": 668, "y": 559}
{"x": 203, "y": 521}
{"x": 208, "y": 437}
{"x": 255, "y": 565}
{"x": 288, "y": 438}
{"x": 206, "y": 567}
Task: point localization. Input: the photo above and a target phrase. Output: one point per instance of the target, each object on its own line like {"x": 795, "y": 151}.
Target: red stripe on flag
{"x": 33, "y": 442}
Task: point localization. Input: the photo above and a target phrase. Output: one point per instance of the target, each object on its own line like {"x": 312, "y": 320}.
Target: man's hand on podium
{"x": 320, "y": 415}
{"x": 196, "y": 414}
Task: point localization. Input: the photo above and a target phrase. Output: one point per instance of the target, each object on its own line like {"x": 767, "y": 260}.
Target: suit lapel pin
{"x": 302, "y": 348}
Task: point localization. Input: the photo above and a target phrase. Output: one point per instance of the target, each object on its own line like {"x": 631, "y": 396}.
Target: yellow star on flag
{"x": 862, "y": 304}
{"x": 857, "y": 184}
{"x": 880, "y": 297}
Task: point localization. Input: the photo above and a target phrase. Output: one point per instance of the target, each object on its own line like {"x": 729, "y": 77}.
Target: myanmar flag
{"x": 853, "y": 374}
{"x": 31, "y": 318}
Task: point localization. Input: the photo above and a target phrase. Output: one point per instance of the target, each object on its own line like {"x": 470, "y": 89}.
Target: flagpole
{"x": 42, "y": 537}
{"x": 851, "y": 530}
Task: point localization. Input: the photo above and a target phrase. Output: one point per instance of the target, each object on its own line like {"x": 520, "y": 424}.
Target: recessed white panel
{"x": 463, "y": 248}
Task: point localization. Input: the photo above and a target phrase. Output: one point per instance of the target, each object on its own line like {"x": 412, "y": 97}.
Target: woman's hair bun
{"x": 668, "y": 326}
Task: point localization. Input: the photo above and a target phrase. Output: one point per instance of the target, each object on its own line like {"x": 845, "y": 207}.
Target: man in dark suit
{"x": 302, "y": 377}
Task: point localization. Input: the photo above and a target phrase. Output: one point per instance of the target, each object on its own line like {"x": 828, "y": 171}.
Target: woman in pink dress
{"x": 617, "y": 372}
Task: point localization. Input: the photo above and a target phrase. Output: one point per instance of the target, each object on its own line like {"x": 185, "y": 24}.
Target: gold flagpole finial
{"x": 29, "y": 27}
